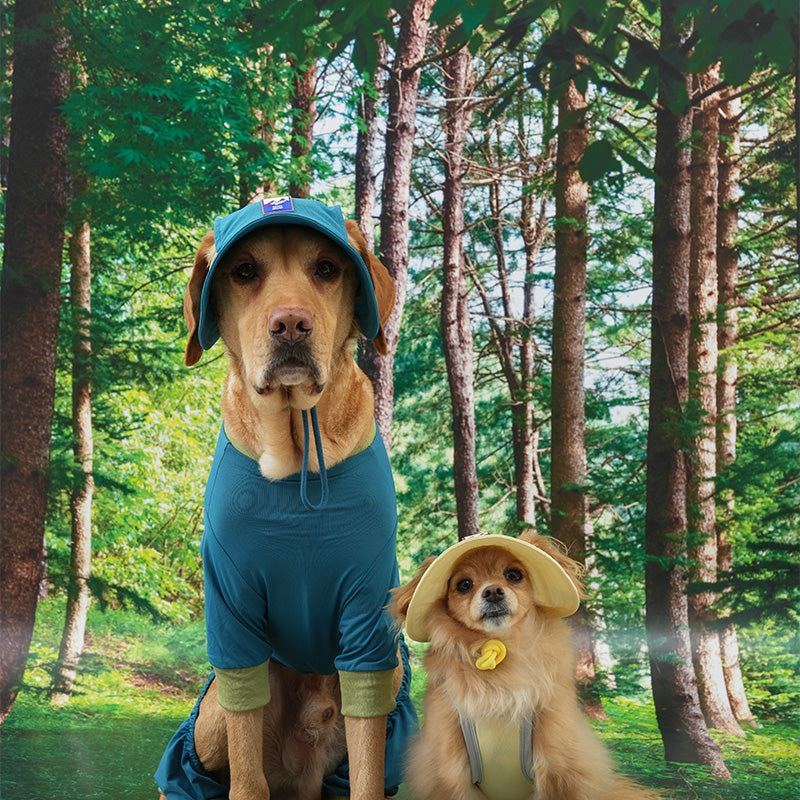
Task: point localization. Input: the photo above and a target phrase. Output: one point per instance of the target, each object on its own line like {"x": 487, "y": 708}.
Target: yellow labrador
{"x": 305, "y": 656}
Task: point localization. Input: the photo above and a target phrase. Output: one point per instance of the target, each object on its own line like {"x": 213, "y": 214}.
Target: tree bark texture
{"x": 78, "y": 596}
{"x": 680, "y": 719}
{"x": 365, "y": 187}
{"x": 727, "y": 373}
{"x": 366, "y": 148}
{"x": 403, "y": 88}
{"x": 568, "y": 459}
{"x": 568, "y": 509}
{"x": 702, "y": 511}
{"x": 455, "y": 316}
{"x": 304, "y": 113}
{"x": 29, "y": 307}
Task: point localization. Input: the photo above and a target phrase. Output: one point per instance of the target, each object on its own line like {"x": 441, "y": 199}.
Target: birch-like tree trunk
{"x": 512, "y": 333}
{"x": 456, "y": 324}
{"x": 365, "y": 186}
{"x": 680, "y": 719}
{"x": 727, "y": 333}
{"x": 525, "y": 430}
{"x": 366, "y": 149}
{"x": 702, "y": 510}
{"x": 78, "y": 596}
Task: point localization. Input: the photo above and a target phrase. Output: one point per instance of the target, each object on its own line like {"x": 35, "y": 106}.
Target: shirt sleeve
{"x": 367, "y": 694}
{"x": 243, "y": 689}
{"x": 235, "y": 612}
{"x": 367, "y": 636}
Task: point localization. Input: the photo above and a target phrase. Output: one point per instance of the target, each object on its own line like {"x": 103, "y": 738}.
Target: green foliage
{"x": 771, "y": 668}
{"x": 169, "y": 95}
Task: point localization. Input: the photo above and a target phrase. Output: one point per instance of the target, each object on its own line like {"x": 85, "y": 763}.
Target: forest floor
{"x": 139, "y": 681}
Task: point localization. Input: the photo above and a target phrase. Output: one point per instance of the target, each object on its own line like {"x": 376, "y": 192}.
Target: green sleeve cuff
{"x": 367, "y": 694}
{"x": 243, "y": 689}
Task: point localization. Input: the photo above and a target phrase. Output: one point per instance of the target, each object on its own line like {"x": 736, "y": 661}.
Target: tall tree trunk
{"x": 680, "y": 719}
{"x": 365, "y": 188}
{"x": 78, "y": 596}
{"x": 533, "y": 227}
{"x": 524, "y": 429}
{"x": 366, "y": 145}
{"x": 455, "y": 316}
{"x": 702, "y": 509}
{"x": 29, "y": 304}
{"x": 512, "y": 335}
{"x": 568, "y": 511}
{"x": 403, "y": 88}
{"x": 304, "y": 112}
{"x": 727, "y": 334}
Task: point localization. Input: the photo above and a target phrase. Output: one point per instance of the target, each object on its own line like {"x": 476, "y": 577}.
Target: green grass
{"x": 139, "y": 681}
{"x": 764, "y": 765}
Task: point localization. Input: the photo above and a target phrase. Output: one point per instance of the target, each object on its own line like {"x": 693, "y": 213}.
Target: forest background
{"x": 590, "y": 211}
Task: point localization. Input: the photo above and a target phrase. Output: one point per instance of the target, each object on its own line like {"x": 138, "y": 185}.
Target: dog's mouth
{"x": 495, "y": 615}
{"x": 290, "y": 366}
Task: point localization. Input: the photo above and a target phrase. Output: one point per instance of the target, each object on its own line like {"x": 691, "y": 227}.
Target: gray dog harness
{"x": 500, "y": 756}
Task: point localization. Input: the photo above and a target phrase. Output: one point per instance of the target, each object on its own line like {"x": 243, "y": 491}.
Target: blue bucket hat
{"x": 328, "y": 220}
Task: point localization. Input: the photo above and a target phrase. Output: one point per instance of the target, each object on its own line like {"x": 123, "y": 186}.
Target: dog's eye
{"x": 245, "y": 272}
{"x": 513, "y": 575}
{"x": 326, "y": 270}
{"x": 464, "y": 585}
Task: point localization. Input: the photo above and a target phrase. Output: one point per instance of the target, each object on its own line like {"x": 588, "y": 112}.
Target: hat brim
{"x": 553, "y": 590}
{"x": 328, "y": 220}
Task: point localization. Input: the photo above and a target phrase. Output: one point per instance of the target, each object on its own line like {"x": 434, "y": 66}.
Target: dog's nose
{"x": 290, "y": 325}
{"x": 493, "y": 594}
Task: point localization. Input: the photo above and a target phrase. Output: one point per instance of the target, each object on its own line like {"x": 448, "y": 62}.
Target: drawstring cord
{"x": 323, "y": 477}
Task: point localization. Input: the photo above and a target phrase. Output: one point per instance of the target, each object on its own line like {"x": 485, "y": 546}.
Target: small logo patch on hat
{"x": 272, "y": 204}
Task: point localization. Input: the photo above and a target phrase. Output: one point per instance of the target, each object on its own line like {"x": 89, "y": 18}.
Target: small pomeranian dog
{"x": 502, "y": 720}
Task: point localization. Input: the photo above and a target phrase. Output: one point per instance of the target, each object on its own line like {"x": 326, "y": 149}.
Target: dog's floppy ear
{"x": 401, "y": 596}
{"x": 191, "y": 301}
{"x": 381, "y": 281}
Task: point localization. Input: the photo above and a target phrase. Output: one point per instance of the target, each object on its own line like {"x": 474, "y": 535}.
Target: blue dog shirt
{"x": 305, "y": 587}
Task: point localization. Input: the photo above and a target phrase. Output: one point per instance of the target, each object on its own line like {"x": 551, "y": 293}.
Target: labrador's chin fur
{"x": 534, "y": 681}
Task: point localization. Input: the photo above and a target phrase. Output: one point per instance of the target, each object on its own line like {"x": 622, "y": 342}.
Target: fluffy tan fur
{"x": 535, "y": 680}
{"x": 303, "y": 735}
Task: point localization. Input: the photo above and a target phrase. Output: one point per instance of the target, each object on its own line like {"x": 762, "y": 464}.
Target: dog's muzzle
{"x": 494, "y": 606}
{"x": 290, "y": 364}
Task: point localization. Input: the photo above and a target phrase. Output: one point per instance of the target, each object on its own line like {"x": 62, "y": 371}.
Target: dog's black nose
{"x": 290, "y": 325}
{"x": 493, "y": 594}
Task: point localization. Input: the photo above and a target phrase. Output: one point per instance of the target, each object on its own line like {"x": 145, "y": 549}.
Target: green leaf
{"x": 598, "y": 161}
{"x": 130, "y": 156}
